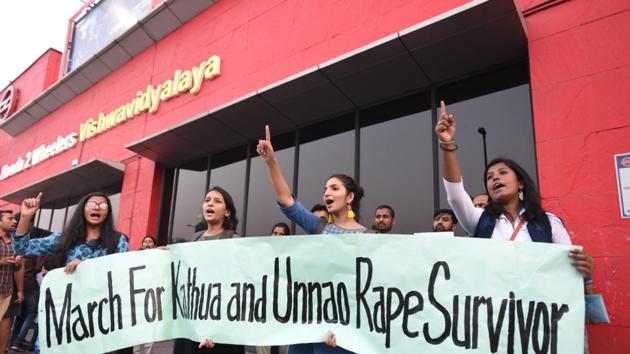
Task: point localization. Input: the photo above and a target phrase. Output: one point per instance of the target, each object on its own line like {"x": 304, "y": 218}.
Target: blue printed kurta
{"x": 46, "y": 246}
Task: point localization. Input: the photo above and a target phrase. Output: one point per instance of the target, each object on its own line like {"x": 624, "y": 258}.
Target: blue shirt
{"x": 46, "y": 246}
{"x": 309, "y": 221}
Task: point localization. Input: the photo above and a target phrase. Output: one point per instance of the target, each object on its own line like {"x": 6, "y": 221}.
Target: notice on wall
{"x": 622, "y": 169}
{"x": 376, "y": 293}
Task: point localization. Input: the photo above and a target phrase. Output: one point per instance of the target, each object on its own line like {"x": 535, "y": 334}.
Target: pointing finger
{"x": 442, "y": 108}
{"x": 267, "y": 133}
{"x": 39, "y": 196}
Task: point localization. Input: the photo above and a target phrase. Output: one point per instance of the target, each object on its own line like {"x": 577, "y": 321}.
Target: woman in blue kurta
{"x": 88, "y": 234}
{"x": 341, "y": 197}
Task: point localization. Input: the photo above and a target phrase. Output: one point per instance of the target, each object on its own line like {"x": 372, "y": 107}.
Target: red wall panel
{"x": 580, "y": 70}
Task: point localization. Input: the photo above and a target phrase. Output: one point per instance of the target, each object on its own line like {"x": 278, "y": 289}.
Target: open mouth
{"x": 95, "y": 216}
{"x": 497, "y": 186}
{"x": 210, "y": 212}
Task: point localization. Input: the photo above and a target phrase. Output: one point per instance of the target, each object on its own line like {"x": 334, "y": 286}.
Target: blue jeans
{"x": 25, "y": 320}
{"x": 316, "y": 348}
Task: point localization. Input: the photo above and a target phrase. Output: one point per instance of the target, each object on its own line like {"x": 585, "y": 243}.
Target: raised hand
{"x": 30, "y": 205}
{"x": 445, "y": 128}
{"x": 264, "y": 147}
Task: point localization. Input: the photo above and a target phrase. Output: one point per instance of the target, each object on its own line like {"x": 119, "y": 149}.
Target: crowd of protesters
{"x": 510, "y": 210}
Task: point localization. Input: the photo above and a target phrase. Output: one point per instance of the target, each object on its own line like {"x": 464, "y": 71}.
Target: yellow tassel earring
{"x": 331, "y": 219}
{"x": 351, "y": 214}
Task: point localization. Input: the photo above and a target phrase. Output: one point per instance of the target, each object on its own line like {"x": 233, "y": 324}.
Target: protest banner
{"x": 377, "y": 293}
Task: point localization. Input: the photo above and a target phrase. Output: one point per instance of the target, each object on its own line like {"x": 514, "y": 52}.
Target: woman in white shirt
{"x": 514, "y": 211}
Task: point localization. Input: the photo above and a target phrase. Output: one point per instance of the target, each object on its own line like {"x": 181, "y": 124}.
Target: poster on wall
{"x": 101, "y": 24}
{"x": 622, "y": 170}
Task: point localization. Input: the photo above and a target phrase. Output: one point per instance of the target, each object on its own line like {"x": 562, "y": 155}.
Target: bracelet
{"x": 446, "y": 142}
{"x": 588, "y": 280}
{"x": 450, "y": 150}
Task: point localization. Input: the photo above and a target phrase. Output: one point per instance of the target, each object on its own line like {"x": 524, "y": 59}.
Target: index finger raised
{"x": 267, "y": 133}
{"x": 442, "y": 108}
{"x": 39, "y": 196}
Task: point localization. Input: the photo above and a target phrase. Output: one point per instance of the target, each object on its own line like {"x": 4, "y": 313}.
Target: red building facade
{"x": 285, "y": 54}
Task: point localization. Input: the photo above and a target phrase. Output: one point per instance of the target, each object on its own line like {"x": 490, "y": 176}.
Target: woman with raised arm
{"x": 514, "y": 211}
{"x": 342, "y": 198}
{"x": 90, "y": 233}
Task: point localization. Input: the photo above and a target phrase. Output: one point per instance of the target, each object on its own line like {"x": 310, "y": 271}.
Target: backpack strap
{"x": 485, "y": 226}
{"x": 540, "y": 231}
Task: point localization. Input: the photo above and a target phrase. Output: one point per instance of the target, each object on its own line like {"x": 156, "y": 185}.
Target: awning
{"x": 91, "y": 176}
{"x": 471, "y": 38}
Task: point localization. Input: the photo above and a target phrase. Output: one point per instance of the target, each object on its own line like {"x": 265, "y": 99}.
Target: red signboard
{"x": 8, "y": 102}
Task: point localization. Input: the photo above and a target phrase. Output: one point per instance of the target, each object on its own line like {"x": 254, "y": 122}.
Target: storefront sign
{"x": 187, "y": 81}
{"x": 149, "y": 100}
{"x": 38, "y": 155}
{"x": 8, "y": 102}
{"x": 377, "y": 293}
{"x": 622, "y": 169}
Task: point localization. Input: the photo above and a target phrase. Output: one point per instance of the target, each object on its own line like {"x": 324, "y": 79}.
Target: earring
{"x": 520, "y": 195}
{"x": 351, "y": 214}
{"x": 331, "y": 219}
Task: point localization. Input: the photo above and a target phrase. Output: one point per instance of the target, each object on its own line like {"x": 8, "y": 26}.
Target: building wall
{"x": 580, "y": 78}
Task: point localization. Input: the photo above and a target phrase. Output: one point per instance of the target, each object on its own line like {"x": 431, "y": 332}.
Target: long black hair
{"x": 75, "y": 231}
{"x": 534, "y": 212}
{"x": 229, "y": 222}
{"x": 351, "y": 187}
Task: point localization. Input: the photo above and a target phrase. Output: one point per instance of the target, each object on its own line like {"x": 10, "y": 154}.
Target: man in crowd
{"x": 383, "y": 219}
{"x": 444, "y": 220}
{"x": 24, "y": 321}
{"x": 481, "y": 200}
{"x": 321, "y": 211}
{"x": 10, "y": 270}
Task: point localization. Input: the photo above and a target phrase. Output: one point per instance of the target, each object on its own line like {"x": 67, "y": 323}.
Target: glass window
{"x": 115, "y": 200}
{"x": 57, "y": 217}
{"x": 191, "y": 185}
{"x": 37, "y": 217}
{"x": 262, "y": 209}
{"x": 44, "y": 219}
{"x": 319, "y": 159}
{"x": 397, "y": 170}
{"x": 231, "y": 177}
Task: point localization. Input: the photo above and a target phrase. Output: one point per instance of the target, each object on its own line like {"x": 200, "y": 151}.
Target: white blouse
{"x": 468, "y": 216}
